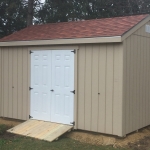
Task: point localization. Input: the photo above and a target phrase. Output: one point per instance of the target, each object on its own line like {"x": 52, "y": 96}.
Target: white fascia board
{"x": 114, "y": 39}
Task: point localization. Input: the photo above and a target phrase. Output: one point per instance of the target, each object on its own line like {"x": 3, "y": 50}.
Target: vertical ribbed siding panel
{"x": 109, "y": 88}
{"x": 25, "y": 88}
{"x": 100, "y": 71}
{"x": 5, "y": 82}
{"x": 88, "y": 86}
{"x": 0, "y": 82}
{"x": 127, "y": 79}
{"x": 19, "y": 83}
{"x": 147, "y": 80}
{"x": 14, "y": 83}
{"x": 81, "y": 87}
{"x": 95, "y": 90}
{"x": 102, "y": 88}
{"x": 10, "y": 89}
{"x": 118, "y": 91}
{"x": 136, "y": 80}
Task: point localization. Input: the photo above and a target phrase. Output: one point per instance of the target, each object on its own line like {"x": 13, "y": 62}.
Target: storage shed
{"x": 94, "y": 74}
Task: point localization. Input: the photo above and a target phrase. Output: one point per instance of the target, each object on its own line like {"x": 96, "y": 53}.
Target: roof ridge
{"x": 89, "y": 20}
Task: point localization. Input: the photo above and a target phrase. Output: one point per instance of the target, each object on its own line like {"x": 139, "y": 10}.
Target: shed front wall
{"x": 98, "y": 85}
{"x": 100, "y": 68}
{"x": 136, "y": 81}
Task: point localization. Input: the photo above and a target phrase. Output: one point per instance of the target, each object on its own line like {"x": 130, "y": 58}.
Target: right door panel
{"x": 62, "y": 83}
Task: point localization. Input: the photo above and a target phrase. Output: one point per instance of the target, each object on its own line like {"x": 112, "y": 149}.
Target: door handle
{"x": 52, "y": 90}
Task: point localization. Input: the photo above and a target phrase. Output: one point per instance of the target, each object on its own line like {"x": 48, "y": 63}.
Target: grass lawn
{"x": 14, "y": 142}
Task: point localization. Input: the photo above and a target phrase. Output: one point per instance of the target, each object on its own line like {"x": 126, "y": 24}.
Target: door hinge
{"x": 73, "y": 91}
{"x": 72, "y": 122}
{"x": 30, "y": 88}
{"x": 30, "y": 117}
{"x": 31, "y": 52}
{"x": 74, "y": 51}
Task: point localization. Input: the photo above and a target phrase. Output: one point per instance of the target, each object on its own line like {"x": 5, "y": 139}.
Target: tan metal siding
{"x": 100, "y": 68}
{"x": 136, "y": 80}
{"x": 15, "y": 82}
{"x": 94, "y": 88}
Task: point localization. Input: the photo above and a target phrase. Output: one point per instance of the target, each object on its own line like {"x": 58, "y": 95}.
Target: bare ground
{"x": 137, "y": 140}
{"x": 10, "y": 122}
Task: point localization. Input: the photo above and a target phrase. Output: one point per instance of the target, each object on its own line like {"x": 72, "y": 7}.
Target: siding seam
{"x": 8, "y": 82}
{"x": 91, "y": 89}
{"x": 98, "y": 86}
{"x": 105, "y": 86}
{"x": 17, "y": 83}
{"x": 22, "y": 83}
{"x": 113, "y": 91}
{"x": 84, "y": 84}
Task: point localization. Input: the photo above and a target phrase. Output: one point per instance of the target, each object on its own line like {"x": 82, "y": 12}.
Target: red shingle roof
{"x": 105, "y": 27}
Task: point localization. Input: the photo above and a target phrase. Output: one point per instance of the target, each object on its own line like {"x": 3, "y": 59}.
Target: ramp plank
{"x": 19, "y": 126}
{"x": 41, "y": 130}
{"x": 57, "y": 132}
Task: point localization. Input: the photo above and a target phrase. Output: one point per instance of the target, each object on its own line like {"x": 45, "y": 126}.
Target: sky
{"x": 42, "y": 1}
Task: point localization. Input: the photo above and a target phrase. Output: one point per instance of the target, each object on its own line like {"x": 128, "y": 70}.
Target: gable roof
{"x": 106, "y": 27}
{"x": 106, "y": 30}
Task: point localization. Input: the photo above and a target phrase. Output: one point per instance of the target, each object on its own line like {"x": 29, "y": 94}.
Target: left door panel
{"x": 41, "y": 84}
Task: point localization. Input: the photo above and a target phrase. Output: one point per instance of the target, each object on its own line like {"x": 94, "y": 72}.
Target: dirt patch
{"x": 143, "y": 144}
{"x": 10, "y": 122}
{"x": 137, "y": 140}
{"x": 8, "y": 136}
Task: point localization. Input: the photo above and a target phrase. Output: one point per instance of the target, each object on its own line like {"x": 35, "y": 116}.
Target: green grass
{"x": 3, "y": 128}
{"x": 24, "y": 143}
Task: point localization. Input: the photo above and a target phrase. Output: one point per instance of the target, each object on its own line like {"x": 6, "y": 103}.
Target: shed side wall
{"x": 100, "y": 68}
{"x": 136, "y": 80}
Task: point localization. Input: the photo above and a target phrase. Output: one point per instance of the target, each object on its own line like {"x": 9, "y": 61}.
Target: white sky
{"x": 42, "y": 1}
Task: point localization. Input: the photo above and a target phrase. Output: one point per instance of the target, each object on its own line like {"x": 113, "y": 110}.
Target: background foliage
{"x": 13, "y": 14}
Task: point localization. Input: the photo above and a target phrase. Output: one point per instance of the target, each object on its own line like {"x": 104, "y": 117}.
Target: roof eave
{"x": 113, "y": 39}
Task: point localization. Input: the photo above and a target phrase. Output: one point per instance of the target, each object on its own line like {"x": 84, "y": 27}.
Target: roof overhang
{"x": 114, "y": 39}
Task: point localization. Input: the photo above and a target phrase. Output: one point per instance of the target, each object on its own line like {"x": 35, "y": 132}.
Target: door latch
{"x": 52, "y": 90}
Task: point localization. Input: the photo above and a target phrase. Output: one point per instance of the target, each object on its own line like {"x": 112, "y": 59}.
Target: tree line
{"x": 15, "y": 15}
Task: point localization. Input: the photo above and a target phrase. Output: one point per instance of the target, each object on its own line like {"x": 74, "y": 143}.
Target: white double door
{"x": 52, "y": 80}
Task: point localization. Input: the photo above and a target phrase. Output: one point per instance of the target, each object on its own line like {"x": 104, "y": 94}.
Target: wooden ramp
{"x": 42, "y": 130}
